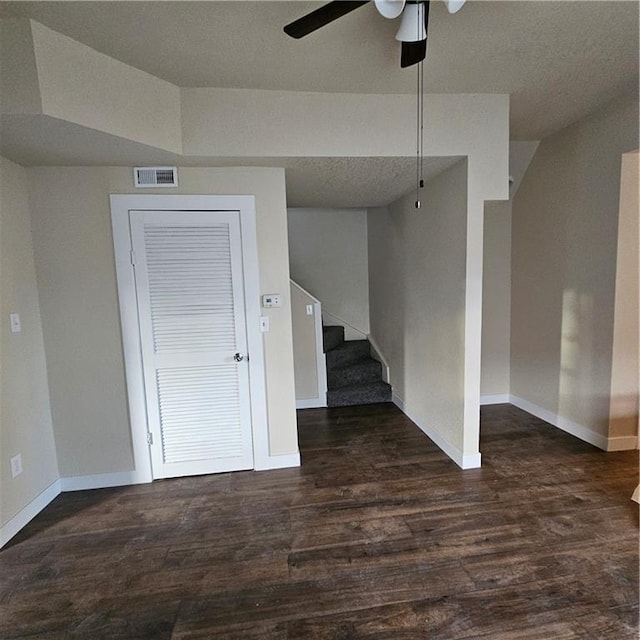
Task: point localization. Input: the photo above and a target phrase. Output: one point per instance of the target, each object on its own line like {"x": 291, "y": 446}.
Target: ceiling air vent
{"x": 155, "y": 176}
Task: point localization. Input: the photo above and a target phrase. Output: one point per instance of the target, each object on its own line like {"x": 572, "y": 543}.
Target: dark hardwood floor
{"x": 378, "y": 535}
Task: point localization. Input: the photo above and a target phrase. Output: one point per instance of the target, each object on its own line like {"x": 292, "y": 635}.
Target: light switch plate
{"x": 14, "y": 318}
{"x": 264, "y": 324}
{"x": 309, "y": 309}
{"x": 16, "y": 466}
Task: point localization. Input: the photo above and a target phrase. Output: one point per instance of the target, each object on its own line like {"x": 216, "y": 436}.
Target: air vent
{"x": 155, "y": 176}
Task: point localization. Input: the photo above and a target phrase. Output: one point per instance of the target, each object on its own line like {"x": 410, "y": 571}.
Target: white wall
{"x": 76, "y": 280}
{"x": 564, "y": 245}
{"x": 304, "y": 345}
{"x": 308, "y": 357}
{"x": 625, "y": 366}
{"x": 417, "y": 295}
{"x": 89, "y": 88}
{"x": 25, "y": 417}
{"x": 496, "y": 301}
{"x": 328, "y": 257}
{"x": 19, "y": 90}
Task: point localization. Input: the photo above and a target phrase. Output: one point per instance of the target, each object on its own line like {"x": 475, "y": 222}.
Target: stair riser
{"x": 351, "y": 352}
{"x": 345, "y": 398}
{"x": 369, "y": 371}
{"x": 332, "y": 337}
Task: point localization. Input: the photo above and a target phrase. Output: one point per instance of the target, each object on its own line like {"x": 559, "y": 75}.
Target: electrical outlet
{"x": 16, "y": 466}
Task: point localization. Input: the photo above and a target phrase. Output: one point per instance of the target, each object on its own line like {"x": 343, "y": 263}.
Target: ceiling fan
{"x": 413, "y": 27}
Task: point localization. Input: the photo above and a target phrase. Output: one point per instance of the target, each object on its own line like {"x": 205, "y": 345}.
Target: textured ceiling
{"x": 310, "y": 182}
{"x": 558, "y": 60}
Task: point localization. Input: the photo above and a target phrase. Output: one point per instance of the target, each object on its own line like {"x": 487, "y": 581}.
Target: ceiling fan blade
{"x": 414, "y": 52}
{"x": 321, "y": 17}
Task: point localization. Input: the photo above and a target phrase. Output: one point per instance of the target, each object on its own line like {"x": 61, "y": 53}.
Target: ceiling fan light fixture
{"x": 412, "y": 25}
{"x": 389, "y": 8}
{"x": 454, "y": 6}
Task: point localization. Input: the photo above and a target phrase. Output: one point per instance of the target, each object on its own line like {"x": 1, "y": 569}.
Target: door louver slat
{"x": 193, "y": 309}
{"x": 200, "y": 430}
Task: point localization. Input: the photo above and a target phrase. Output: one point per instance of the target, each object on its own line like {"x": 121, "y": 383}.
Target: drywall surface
{"x": 305, "y": 361}
{"x": 19, "y": 91}
{"x": 417, "y": 297}
{"x": 277, "y": 123}
{"x": 625, "y": 372}
{"x": 496, "y": 301}
{"x": 564, "y": 247}
{"x": 328, "y": 257}
{"x": 25, "y": 416}
{"x": 76, "y": 279}
{"x": 520, "y": 155}
{"x": 84, "y": 86}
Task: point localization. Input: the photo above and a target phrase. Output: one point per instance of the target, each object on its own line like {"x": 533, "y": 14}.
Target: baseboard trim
{"x": 498, "y": 398}
{"x": 28, "y": 513}
{"x": 464, "y": 461}
{"x": 622, "y": 443}
{"x": 573, "y": 428}
{"x": 278, "y": 462}
{"x": 377, "y": 355}
{"x": 102, "y": 481}
{"x": 311, "y": 403}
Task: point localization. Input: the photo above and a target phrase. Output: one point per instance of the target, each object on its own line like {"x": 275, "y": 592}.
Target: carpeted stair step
{"x": 368, "y": 393}
{"x": 332, "y": 337}
{"x": 358, "y": 372}
{"x": 347, "y": 352}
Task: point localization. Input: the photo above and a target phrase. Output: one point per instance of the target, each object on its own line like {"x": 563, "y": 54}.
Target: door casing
{"x": 121, "y": 205}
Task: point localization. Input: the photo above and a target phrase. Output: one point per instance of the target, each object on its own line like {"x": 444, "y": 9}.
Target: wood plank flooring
{"x": 378, "y": 535}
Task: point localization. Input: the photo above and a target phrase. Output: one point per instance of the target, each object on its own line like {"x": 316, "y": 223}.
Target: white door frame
{"x": 245, "y": 205}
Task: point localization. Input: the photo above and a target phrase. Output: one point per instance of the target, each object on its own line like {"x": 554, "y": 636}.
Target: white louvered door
{"x": 189, "y": 287}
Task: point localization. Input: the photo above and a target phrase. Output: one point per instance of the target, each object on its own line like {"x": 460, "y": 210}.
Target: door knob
{"x": 238, "y": 357}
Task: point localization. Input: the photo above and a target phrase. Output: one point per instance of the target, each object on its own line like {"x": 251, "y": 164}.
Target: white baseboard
{"x": 278, "y": 462}
{"x": 464, "y": 461}
{"x": 377, "y": 355}
{"x": 24, "y": 516}
{"x": 622, "y": 443}
{"x": 498, "y": 398}
{"x": 311, "y": 403}
{"x": 575, "y": 429}
{"x": 102, "y": 481}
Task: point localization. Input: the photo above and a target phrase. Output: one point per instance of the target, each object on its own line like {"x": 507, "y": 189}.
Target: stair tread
{"x": 364, "y": 360}
{"x": 353, "y": 376}
{"x": 350, "y": 344}
{"x": 359, "y": 371}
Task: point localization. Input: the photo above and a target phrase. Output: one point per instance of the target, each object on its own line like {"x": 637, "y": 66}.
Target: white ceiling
{"x": 559, "y": 60}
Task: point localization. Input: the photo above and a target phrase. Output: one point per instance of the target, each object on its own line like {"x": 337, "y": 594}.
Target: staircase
{"x": 353, "y": 376}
